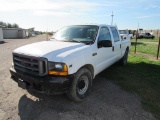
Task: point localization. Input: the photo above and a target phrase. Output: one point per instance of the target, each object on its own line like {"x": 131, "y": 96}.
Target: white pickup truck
{"x": 125, "y": 34}
{"x": 69, "y": 61}
{"x": 146, "y": 35}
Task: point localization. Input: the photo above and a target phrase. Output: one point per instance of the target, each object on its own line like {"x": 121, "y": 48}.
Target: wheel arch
{"x": 127, "y": 48}
{"x": 89, "y": 67}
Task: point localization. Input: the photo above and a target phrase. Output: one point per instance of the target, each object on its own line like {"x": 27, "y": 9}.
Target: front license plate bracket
{"x": 22, "y": 84}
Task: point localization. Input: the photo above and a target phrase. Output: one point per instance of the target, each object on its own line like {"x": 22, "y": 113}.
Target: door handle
{"x": 112, "y": 48}
{"x": 94, "y": 54}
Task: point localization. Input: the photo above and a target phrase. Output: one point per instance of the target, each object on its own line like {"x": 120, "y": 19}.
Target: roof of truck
{"x": 100, "y": 25}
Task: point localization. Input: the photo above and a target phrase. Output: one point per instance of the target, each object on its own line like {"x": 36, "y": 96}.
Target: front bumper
{"x": 47, "y": 84}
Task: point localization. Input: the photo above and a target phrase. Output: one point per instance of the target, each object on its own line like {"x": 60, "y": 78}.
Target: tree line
{"x": 9, "y": 25}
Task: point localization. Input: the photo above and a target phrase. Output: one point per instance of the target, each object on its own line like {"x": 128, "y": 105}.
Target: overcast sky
{"x": 54, "y": 14}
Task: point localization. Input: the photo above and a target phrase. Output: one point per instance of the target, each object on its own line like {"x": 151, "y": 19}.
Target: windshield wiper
{"x": 67, "y": 40}
{"x": 88, "y": 42}
{"x": 71, "y": 40}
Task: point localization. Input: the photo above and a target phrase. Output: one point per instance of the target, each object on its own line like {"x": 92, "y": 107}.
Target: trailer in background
{"x": 14, "y": 33}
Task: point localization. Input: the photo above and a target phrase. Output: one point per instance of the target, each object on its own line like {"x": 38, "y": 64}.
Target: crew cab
{"x": 69, "y": 61}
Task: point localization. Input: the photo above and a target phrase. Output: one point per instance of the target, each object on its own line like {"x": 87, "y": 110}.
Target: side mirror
{"x": 104, "y": 43}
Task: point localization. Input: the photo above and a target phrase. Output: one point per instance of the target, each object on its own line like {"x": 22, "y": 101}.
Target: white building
{"x": 1, "y": 33}
{"x": 14, "y": 33}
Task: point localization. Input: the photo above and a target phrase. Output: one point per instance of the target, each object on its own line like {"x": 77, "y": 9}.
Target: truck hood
{"x": 49, "y": 49}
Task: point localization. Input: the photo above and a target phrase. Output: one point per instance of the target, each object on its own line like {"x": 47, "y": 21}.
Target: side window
{"x": 104, "y": 34}
{"x": 115, "y": 34}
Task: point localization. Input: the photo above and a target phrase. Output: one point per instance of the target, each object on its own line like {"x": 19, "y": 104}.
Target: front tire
{"x": 81, "y": 85}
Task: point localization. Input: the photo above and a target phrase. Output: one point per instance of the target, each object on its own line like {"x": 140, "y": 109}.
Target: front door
{"x": 104, "y": 55}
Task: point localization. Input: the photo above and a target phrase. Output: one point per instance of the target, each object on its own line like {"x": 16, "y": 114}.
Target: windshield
{"x": 77, "y": 33}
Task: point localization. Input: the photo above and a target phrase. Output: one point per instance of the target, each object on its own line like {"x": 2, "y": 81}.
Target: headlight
{"x": 57, "y": 68}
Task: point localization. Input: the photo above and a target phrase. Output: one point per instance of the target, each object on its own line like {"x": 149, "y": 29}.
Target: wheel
{"x": 81, "y": 85}
{"x": 124, "y": 59}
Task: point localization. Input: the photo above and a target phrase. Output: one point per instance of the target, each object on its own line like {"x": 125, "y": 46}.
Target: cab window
{"x": 115, "y": 34}
{"x": 104, "y": 34}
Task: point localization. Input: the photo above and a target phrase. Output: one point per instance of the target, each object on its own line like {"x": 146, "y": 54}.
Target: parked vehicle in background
{"x": 33, "y": 35}
{"x": 146, "y": 35}
{"x": 125, "y": 34}
{"x": 70, "y": 60}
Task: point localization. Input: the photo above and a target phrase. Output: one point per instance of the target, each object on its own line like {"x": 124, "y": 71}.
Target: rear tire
{"x": 81, "y": 85}
{"x": 124, "y": 59}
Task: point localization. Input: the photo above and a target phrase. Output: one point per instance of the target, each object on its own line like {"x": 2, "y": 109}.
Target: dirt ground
{"x": 106, "y": 101}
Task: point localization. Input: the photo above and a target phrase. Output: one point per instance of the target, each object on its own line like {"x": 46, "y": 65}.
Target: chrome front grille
{"x": 31, "y": 65}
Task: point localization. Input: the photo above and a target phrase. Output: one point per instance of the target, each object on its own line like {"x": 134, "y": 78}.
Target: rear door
{"x": 116, "y": 43}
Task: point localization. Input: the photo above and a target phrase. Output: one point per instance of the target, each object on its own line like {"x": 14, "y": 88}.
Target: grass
{"x": 140, "y": 76}
{"x": 148, "y": 40}
{"x": 147, "y": 46}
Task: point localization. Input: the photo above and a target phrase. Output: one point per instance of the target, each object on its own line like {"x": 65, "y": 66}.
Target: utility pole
{"x": 138, "y": 28}
{"x": 47, "y": 29}
{"x": 158, "y": 48}
{"x": 112, "y": 18}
